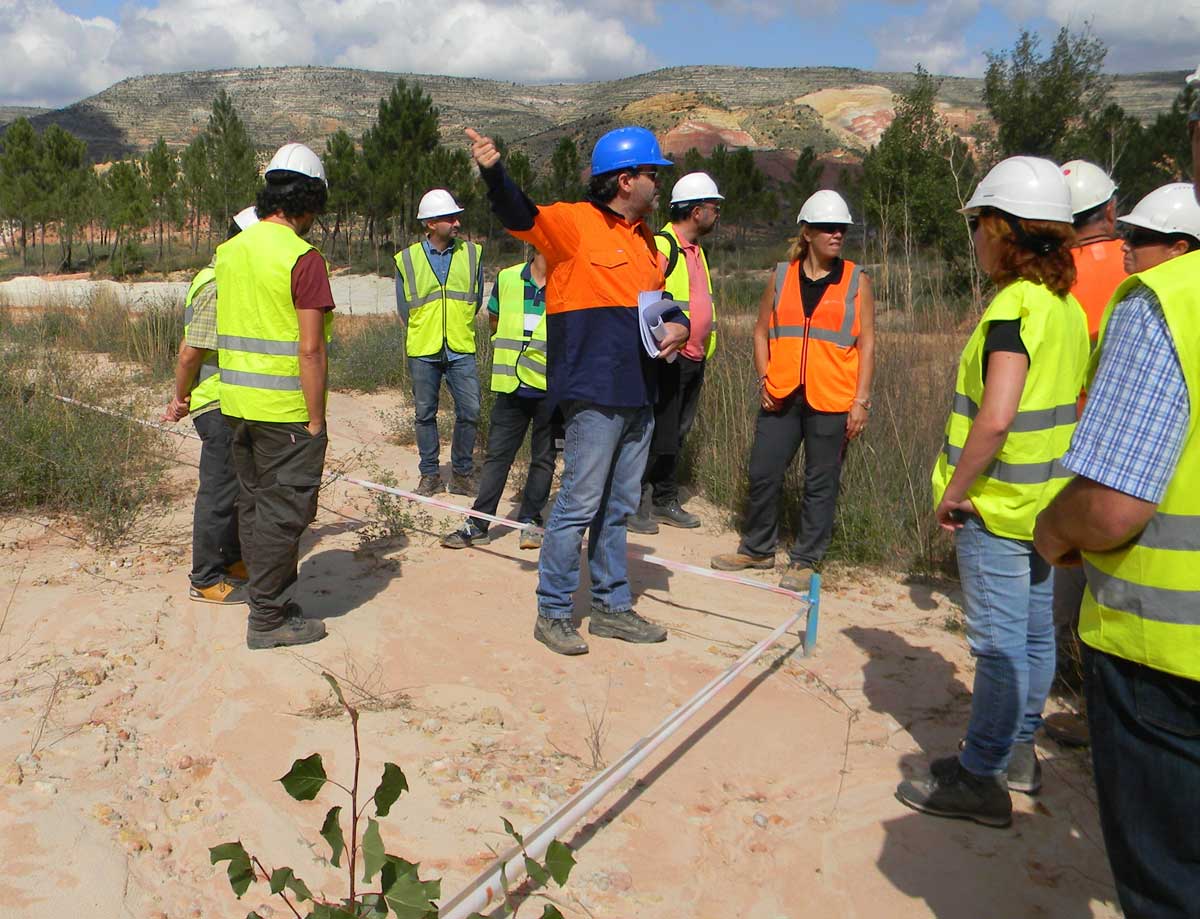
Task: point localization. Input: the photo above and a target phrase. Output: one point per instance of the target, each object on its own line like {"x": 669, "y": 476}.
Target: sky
{"x": 59, "y": 51}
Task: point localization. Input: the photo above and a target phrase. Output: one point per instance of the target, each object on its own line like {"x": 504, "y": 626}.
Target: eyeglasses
{"x": 831, "y": 229}
{"x": 1138, "y": 237}
{"x": 972, "y": 224}
{"x": 649, "y": 171}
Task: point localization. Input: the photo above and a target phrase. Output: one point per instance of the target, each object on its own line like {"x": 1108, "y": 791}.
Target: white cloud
{"x": 934, "y": 37}
{"x": 53, "y": 57}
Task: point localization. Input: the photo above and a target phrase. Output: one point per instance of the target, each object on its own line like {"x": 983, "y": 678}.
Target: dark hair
{"x": 604, "y": 187}
{"x": 292, "y": 193}
{"x": 683, "y": 210}
{"x": 1083, "y": 218}
{"x": 1031, "y": 250}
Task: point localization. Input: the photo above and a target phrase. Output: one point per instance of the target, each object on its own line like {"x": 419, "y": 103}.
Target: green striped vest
{"x": 258, "y": 332}
{"x": 1026, "y": 474}
{"x": 517, "y": 356}
{"x": 1143, "y": 600}
{"x": 679, "y": 286}
{"x": 440, "y": 314}
{"x": 205, "y": 391}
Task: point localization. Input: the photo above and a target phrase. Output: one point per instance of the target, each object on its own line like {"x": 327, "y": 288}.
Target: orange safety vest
{"x": 817, "y": 353}
{"x": 1099, "y": 268}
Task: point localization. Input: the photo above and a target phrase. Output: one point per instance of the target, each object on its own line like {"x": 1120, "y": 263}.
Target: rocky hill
{"x": 840, "y": 111}
{"x": 10, "y": 113}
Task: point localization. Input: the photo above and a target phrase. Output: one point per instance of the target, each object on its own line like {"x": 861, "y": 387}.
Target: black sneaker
{"x": 467, "y": 535}
{"x": 430, "y": 485}
{"x": 955, "y": 792}
{"x": 1024, "y": 770}
{"x": 626, "y": 625}
{"x": 674, "y": 515}
{"x": 295, "y": 630}
{"x": 559, "y": 635}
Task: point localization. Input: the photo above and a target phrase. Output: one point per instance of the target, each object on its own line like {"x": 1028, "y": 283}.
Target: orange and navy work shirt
{"x": 1099, "y": 270}
{"x": 597, "y": 263}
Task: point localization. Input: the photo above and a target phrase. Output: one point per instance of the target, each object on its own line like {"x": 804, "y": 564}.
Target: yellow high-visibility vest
{"x": 678, "y": 284}
{"x": 1026, "y": 473}
{"x": 258, "y": 331}
{"x": 206, "y": 390}
{"x": 518, "y": 356}
{"x": 1143, "y": 600}
{"x": 440, "y": 314}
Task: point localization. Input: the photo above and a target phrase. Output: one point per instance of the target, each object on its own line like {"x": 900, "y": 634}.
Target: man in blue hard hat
{"x": 600, "y": 256}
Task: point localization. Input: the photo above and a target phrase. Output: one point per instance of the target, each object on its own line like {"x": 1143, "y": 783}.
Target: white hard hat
{"x": 246, "y": 217}
{"x": 1089, "y": 185}
{"x": 695, "y": 186}
{"x": 437, "y": 202}
{"x": 1024, "y": 186}
{"x": 825, "y": 206}
{"x": 1169, "y": 209}
{"x": 297, "y": 158}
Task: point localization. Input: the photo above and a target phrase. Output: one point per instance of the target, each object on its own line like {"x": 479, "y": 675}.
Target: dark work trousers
{"x": 679, "y": 385}
{"x": 512, "y": 415}
{"x": 215, "y": 543}
{"x": 1145, "y": 735}
{"x": 777, "y": 437}
{"x": 279, "y": 466}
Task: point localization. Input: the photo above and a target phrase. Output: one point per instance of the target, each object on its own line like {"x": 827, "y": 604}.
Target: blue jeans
{"x": 1145, "y": 732}
{"x": 462, "y": 376}
{"x": 603, "y": 459}
{"x": 1008, "y": 594}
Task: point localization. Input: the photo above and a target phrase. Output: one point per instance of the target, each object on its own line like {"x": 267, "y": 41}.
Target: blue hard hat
{"x": 626, "y": 148}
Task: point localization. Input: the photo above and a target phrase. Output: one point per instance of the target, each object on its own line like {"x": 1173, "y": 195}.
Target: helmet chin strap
{"x": 1039, "y": 245}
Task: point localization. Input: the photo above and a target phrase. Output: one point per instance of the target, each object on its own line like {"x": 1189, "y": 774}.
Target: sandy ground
{"x": 136, "y": 730}
{"x": 354, "y": 294}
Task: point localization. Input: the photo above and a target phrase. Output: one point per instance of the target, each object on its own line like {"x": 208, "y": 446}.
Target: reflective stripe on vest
{"x": 678, "y": 283}
{"x": 517, "y": 357}
{"x": 817, "y": 352}
{"x": 1026, "y": 472}
{"x": 258, "y": 332}
{"x": 440, "y": 315}
{"x": 206, "y": 388}
{"x": 1143, "y": 599}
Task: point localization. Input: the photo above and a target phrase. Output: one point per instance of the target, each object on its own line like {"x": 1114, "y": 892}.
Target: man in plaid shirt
{"x": 1130, "y": 513}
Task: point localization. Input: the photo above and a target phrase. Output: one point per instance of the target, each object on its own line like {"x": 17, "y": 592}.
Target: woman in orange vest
{"x": 814, "y": 352}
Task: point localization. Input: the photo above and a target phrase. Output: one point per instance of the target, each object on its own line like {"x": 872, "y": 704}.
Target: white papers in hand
{"x": 651, "y": 306}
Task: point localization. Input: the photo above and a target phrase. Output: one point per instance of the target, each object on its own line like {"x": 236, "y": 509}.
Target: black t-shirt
{"x": 1003, "y": 335}
{"x": 812, "y": 291}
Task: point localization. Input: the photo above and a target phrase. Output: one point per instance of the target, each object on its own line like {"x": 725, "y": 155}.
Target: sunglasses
{"x": 831, "y": 229}
{"x": 652, "y": 173}
{"x": 1137, "y": 237}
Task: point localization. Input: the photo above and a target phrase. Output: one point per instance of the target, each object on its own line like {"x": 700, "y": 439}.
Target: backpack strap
{"x": 673, "y": 256}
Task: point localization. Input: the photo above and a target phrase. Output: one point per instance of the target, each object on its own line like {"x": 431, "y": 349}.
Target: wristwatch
{"x": 865, "y": 403}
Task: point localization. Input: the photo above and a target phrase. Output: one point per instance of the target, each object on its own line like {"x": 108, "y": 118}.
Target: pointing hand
{"x": 483, "y": 150}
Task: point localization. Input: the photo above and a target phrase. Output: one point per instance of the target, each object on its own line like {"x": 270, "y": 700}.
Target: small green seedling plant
{"x": 389, "y": 884}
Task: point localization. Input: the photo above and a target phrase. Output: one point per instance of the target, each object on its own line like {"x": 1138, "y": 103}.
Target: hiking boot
{"x": 1024, "y": 770}
{"x": 797, "y": 578}
{"x": 467, "y": 535}
{"x": 222, "y": 593}
{"x": 463, "y": 484}
{"x": 430, "y": 485}
{"x": 295, "y": 630}
{"x": 954, "y": 792}
{"x": 641, "y": 523}
{"x": 237, "y": 573}
{"x": 674, "y": 515}
{"x": 531, "y": 538}
{"x": 559, "y": 635}
{"x": 737, "y": 561}
{"x": 626, "y": 625}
